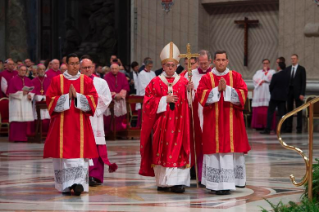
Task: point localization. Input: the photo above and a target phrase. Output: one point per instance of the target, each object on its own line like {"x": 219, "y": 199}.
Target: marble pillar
{"x": 16, "y": 30}
{"x": 2, "y": 30}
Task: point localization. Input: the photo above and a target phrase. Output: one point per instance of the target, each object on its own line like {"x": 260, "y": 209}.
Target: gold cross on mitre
{"x": 189, "y": 55}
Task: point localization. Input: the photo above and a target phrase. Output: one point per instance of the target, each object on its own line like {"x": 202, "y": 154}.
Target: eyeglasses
{"x": 170, "y": 65}
{"x": 265, "y": 63}
{"x": 86, "y": 67}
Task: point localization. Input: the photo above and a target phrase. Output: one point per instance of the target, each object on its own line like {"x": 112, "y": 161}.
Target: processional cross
{"x": 246, "y": 24}
{"x": 189, "y": 55}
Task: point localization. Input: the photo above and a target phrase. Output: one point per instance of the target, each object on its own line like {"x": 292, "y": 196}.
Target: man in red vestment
{"x": 71, "y": 99}
{"x": 223, "y": 93}
{"x": 165, "y": 141}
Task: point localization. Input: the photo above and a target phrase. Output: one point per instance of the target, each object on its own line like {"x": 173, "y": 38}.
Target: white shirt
{"x": 294, "y": 68}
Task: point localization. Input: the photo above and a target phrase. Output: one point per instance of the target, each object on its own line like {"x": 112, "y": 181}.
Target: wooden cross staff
{"x": 189, "y": 55}
{"x": 246, "y": 24}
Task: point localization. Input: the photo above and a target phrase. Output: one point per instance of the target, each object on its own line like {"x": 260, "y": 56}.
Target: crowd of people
{"x": 78, "y": 94}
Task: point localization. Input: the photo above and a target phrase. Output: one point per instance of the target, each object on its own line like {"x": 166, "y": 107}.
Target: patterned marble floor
{"x": 26, "y": 180}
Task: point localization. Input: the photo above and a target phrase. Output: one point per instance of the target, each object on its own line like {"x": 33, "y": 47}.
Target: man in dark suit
{"x": 297, "y": 89}
{"x": 279, "y": 88}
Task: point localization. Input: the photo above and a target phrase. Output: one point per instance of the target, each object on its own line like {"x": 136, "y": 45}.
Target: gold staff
{"x": 189, "y": 55}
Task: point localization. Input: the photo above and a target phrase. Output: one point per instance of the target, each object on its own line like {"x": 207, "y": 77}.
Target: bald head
{"x": 9, "y": 64}
{"x": 55, "y": 64}
{"x": 115, "y": 68}
{"x": 63, "y": 68}
{"x": 86, "y": 66}
{"x": 41, "y": 70}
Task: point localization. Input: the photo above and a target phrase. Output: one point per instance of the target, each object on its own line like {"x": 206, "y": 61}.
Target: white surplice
{"x": 261, "y": 91}
{"x": 196, "y": 77}
{"x": 144, "y": 78}
{"x": 71, "y": 171}
{"x": 20, "y": 107}
{"x": 223, "y": 171}
{"x": 104, "y": 99}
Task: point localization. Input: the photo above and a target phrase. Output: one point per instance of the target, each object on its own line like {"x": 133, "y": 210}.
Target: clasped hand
{"x": 222, "y": 85}
{"x": 72, "y": 92}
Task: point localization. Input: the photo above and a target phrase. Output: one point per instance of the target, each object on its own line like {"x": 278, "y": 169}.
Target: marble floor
{"x": 26, "y": 180}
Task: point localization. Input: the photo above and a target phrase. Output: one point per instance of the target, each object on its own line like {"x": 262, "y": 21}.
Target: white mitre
{"x": 170, "y": 53}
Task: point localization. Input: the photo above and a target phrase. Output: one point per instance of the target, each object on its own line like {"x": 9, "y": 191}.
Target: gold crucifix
{"x": 189, "y": 55}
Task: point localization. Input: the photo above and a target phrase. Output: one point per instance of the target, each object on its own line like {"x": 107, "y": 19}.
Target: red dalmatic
{"x": 224, "y": 129}
{"x": 165, "y": 138}
{"x": 70, "y": 133}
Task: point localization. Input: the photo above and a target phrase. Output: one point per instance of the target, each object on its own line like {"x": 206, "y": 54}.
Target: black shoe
{"x": 178, "y": 189}
{"x": 222, "y": 192}
{"x": 66, "y": 193}
{"x": 93, "y": 182}
{"x": 299, "y": 131}
{"x": 77, "y": 188}
{"x": 162, "y": 188}
{"x": 265, "y": 132}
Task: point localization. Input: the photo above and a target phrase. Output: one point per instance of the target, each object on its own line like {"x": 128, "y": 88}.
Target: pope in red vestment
{"x": 70, "y": 134}
{"x": 165, "y": 138}
{"x": 222, "y": 93}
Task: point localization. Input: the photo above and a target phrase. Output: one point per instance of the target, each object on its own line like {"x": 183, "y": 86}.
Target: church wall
{"x": 294, "y": 15}
{"x": 2, "y": 30}
{"x": 224, "y": 34}
{"x": 155, "y": 28}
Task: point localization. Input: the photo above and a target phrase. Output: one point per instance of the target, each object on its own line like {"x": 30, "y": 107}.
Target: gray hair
{"x": 148, "y": 62}
{"x": 205, "y": 52}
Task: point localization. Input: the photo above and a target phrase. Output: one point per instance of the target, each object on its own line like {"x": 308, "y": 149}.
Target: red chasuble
{"x": 165, "y": 138}
{"x": 224, "y": 129}
{"x": 70, "y": 133}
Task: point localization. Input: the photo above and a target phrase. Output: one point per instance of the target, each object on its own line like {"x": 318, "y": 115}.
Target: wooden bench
{"x": 38, "y": 136}
{"x": 129, "y": 132}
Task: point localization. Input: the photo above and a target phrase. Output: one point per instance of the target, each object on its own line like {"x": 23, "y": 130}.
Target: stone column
{"x": 2, "y": 30}
{"x": 16, "y": 30}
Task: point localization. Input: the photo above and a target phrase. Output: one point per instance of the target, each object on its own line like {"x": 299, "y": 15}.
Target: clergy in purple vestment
{"x": 41, "y": 84}
{"x": 6, "y": 77}
{"x": 119, "y": 88}
{"x": 20, "y": 106}
{"x": 54, "y": 70}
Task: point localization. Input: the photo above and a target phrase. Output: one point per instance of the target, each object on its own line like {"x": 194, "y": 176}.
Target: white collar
{"x": 295, "y": 66}
{"x": 214, "y": 70}
{"x": 70, "y": 77}
{"x": 165, "y": 75}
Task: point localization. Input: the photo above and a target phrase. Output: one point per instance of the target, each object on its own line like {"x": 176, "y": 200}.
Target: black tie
{"x": 292, "y": 76}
